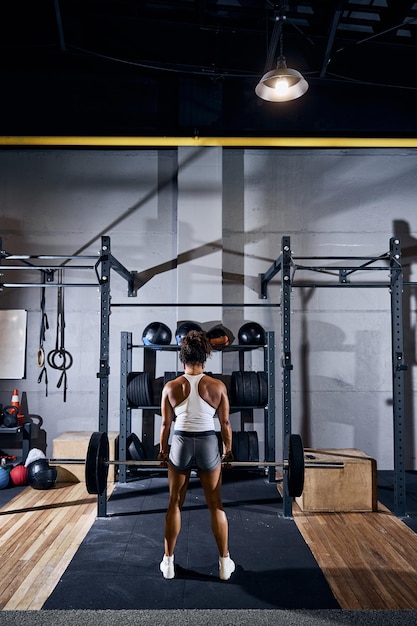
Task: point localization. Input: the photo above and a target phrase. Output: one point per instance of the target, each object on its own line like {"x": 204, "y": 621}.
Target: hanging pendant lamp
{"x": 283, "y": 83}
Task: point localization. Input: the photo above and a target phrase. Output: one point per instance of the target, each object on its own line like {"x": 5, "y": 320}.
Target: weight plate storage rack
{"x": 256, "y": 386}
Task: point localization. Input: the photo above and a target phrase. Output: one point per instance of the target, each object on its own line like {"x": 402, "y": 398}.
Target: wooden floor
{"x": 40, "y": 531}
{"x": 369, "y": 559}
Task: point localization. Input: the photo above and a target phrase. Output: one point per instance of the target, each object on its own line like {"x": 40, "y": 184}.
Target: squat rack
{"x": 285, "y": 264}
{"x": 288, "y": 266}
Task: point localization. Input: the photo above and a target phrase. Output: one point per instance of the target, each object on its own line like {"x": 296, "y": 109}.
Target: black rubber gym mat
{"x": 117, "y": 565}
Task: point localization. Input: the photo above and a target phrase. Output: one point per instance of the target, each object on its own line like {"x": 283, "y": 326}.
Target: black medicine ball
{"x": 184, "y": 328}
{"x": 41, "y": 475}
{"x": 156, "y": 334}
{"x": 251, "y": 334}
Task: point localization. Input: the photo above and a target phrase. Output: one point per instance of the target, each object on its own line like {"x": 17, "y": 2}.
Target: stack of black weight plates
{"x": 139, "y": 389}
{"x": 249, "y": 388}
{"x": 245, "y": 446}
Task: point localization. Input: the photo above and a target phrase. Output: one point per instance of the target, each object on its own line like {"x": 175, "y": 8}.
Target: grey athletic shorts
{"x": 198, "y": 449}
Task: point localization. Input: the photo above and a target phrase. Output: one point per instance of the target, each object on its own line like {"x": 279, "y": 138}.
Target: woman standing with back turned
{"x": 193, "y": 399}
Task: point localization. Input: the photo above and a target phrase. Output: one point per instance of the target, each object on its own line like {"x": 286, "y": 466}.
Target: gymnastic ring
{"x": 64, "y": 354}
{"x": 40, "y": 357}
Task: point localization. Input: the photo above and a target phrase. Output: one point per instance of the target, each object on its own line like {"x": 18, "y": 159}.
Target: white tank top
{"x": 194, "y": 414}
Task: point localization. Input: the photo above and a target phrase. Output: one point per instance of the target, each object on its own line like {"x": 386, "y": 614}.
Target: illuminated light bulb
{"x": 281, "y": 86}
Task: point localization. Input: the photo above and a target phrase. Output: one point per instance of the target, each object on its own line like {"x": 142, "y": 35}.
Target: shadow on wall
{"x": 326, "y": 337}
{"x": 318, "y": 372}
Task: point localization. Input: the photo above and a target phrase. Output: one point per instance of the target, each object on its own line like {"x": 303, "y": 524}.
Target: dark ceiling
{"x": 139, "y": 67}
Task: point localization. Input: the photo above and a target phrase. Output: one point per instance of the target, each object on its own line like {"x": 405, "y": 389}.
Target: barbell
{"x": 97, "y": 464}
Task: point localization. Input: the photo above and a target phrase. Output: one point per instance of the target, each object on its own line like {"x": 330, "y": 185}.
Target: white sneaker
{"x": 226, "y": 567}
{"x": 167, "y": 566}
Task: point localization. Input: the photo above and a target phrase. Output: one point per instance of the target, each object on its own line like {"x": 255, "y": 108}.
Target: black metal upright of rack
{"x": 399, "y": 367}
{"x": 288, "y": 266}
{"x": 107, "y": 263}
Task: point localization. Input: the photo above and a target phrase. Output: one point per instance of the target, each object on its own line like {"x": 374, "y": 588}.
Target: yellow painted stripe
{"x": 245, "y": 142}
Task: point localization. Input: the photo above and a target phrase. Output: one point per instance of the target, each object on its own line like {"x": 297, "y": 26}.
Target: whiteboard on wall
{"x": 12, "y": 343}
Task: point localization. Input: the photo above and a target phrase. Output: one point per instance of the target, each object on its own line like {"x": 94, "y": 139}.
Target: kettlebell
{"x": 10, "y": 413}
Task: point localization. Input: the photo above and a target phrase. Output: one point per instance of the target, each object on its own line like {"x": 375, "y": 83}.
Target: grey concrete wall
{"x": 200, "y": 225}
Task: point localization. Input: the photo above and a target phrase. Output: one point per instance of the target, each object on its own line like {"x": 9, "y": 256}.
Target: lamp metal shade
{"x": 282, "y": 84}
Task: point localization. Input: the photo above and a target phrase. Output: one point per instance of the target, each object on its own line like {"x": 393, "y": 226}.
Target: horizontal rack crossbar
{"x": 46, "y": 268}
{"x": 192, "y": 304}
{"x": 45, "y": 257}
{"x": 343, "y": 258}
{"x": 13, "y": 285}
{"x": 334, "y": 268}
{"x": 351, "y": 285}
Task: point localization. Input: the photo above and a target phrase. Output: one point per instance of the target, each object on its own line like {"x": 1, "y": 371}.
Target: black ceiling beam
{"x": 331, "y": 37}
{"x": 59, "y": 26}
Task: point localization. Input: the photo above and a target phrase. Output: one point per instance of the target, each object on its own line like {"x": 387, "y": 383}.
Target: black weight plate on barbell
{"x": 263, "y": 388}
{"x": 253, "y": 445}
{"x": 294, "y": 473}
{"x": 96, "y": 467}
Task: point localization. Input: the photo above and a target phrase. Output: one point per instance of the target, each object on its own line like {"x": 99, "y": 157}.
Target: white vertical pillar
{"x": 200, "y": 240}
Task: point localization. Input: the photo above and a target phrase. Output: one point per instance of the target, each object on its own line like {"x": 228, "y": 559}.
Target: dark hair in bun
{"x": 195, "y": 348}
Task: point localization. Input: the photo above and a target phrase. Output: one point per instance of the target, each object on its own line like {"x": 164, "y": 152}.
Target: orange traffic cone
{"x": 15, "y": 402}
{"x": 15, "y": 399}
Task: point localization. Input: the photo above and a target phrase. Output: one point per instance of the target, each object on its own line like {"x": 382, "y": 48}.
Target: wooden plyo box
{"x": 74, "y": 445}
{"x": 350, "y": 488}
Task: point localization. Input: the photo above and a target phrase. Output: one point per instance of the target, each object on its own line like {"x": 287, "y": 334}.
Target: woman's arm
{"x": 167, "y": 413}
{"x": 226, "y": 428}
